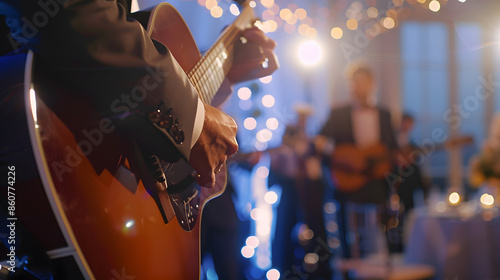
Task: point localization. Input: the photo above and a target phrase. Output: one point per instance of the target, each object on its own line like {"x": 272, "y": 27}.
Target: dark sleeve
{"x": 91, "y": 47}
{"x": 388, "y": 130}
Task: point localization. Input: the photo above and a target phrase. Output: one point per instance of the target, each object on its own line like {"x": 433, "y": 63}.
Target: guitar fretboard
{"x": 209, "y": 73}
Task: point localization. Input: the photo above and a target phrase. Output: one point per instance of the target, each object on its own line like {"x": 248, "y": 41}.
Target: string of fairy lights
{"x": 291, "y": 18}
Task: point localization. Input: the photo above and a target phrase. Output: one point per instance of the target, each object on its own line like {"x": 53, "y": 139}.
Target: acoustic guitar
{"x": 113, "y": 226}
{"x": 353, "y": 167}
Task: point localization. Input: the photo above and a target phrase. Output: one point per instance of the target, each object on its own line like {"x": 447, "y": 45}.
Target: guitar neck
{"x": 209, "y": 73}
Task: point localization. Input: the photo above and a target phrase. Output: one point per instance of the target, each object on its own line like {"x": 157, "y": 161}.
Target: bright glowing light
{"x": 252, "y": 4}
{"x": 434, "y": 6}
{"x": 270, "y": 197}
{"x": 250, "y": 123}
{"x": 272, "y": 123}
{"x": 33, "y": 106}
{"x": 301, "y": 13}
{"x": 352, "y": 24}
{"x": 129, "y": 224}
{"x": 487, "y": 199}
{"x": 421, "y": 1}
{"x": 463, "y": 1}
{"x": 266, "y": 79}
{"x": 264, "y": 135}
{"x": 244, "y": 93}
{"x": 234, "y": 10}
{"x": 310, "y": 53}
{"x": 252, "y": 241}
{"x": 337, "y": 33}
{"x": 454, "y": 198}
{"x": 247, "y": 252}
{"x": 388, "y": 23}
{"x": 273, "y": 274}
{"x": 263, "y": 230}
{"x": 216, "y": 12}
{"x": 262, "y": 172}
{"x": 268, "y": 101}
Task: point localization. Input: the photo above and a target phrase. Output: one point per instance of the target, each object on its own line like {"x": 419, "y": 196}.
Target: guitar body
{"x": 114, "y": 228}
{"x": 354, "y": 167}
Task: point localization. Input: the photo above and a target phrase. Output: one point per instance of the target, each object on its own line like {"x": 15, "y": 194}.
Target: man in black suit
{"x": 363, "y": 124}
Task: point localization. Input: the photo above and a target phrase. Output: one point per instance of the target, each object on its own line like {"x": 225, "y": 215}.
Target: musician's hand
{"x": 216, "y": 142}
{"x": 253, "y": 59}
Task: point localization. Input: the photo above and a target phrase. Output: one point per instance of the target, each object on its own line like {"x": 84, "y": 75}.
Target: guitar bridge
{"x": 179, "y": 191}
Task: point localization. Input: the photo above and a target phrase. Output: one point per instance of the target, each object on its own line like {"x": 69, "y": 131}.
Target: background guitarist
{"x": 362, "y": 124}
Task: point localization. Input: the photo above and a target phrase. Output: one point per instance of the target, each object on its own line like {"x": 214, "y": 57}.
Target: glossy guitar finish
{"x": 114, "y": 227}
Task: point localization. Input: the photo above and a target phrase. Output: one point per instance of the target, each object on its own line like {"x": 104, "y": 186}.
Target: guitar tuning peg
{"x": 166, "y": 121}
{"x": 155, "y": 116}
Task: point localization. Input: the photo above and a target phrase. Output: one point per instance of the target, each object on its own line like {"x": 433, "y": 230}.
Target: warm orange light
{"x": 434, "y": 6}
{"x": 352, "y": 24}
{"x": 388, "y": 23}
{"x": 337, "y": 33}
{"x": 216, "y": 12}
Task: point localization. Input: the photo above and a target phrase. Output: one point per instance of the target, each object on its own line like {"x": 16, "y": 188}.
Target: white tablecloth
{"x": 458, "y": 249}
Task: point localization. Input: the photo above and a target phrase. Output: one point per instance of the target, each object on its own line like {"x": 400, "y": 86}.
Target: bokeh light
{"x": 273, "y": 274}
{"x": 250, "y": 123}
{"x": 434, "y": 6}
{"x": 270, "y": 197}
{"x": 244, "y": 93}
{"x": 268, "y": 101}
{"x": 272, "y": 123}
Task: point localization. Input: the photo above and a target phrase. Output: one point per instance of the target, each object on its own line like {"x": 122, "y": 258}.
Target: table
{"x": 458, "y": 248}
